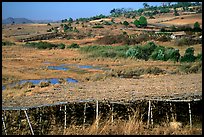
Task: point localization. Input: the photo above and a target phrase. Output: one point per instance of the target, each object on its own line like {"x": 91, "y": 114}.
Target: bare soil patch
{"x": 115, "y": 89}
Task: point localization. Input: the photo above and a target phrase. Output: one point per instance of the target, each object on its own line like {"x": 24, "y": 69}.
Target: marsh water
{"x": 63, "y": 67}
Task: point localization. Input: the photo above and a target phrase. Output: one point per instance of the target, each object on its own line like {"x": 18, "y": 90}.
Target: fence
{"x": 39, "y": 119}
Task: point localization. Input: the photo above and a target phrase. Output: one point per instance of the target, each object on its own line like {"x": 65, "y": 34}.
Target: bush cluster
{"x": 186, "y": 41}
{"x": 146, "y": 52}
{"x": 188, "y": 56}
{"x": 105, "y": 51}
{"x": 163, "y": 38}
{"x": 141, "y": 52}
{"x": 122, "y": 38}
{"x": 162, "y": 53}
{"x": 44, "y": 45}
{"x": 7, "y": 43}
{"x": 73, "y": 45}
{"x": 154, "y": 52}
{"x": 98, "y": 26}
{"x": 112, "y": 39}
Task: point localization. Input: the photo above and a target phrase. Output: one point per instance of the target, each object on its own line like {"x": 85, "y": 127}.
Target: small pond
{"x": 66, "y": 67}
{"x": 37, "y": 81}
{"x": 57, "y": 68}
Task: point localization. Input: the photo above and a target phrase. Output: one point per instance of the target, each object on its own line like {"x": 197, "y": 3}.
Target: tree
{"x": 145, "y": 5}
{"x": 48, "y": 24}
{"x": 70, "y": 20}
{"x": 173, "y": 28}
{"x": 125, "y": 23}
{"x": 175, "y": 12}
{"x": 197, "y": 27}
{"x": 66, "y": 27}
{"x": 143, "y": 21}
{"x": 112, "y": 11}
{"x": 169, "y": 4}
{"x": 136, "y": 23}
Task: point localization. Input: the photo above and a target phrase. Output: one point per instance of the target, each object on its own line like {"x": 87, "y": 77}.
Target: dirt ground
{"x": 113, "y": 89}
{"x": 186, "y": 20}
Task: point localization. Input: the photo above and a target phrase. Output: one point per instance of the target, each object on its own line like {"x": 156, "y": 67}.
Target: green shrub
{"x": 188, "y": 56}
{"x": 158, "y": 53}
{"x": 98, "y": 26}
{"x": 171, "y": 54}
{"x": 107, "y": 23}
{"x": 73, "y": 45}
{"x": 61, "y": 46}
{"x": 186, "y": 41}
{"x": 7, "y": 43}
{"x": 105, "y": 51}
{"x": 199, "y": 57}
{"x": 44, "y": 45}
{"x": 141, "y": 52}
{"x": 113, "y": 39}
{"x": 163, "y": 38}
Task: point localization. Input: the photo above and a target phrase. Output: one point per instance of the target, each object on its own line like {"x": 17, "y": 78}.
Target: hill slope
{"x": 11, "y": 20}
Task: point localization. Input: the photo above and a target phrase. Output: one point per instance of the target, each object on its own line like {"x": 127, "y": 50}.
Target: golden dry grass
{"x": 187, "y": 19}
{"x": 133, "y": 126}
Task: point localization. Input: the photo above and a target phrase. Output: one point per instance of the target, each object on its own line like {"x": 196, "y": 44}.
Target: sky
{"x": 64, "y": 10}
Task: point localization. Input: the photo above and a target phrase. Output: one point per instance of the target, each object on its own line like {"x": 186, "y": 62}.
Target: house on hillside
{"x": 195, "y": 8}
{"x": 177, "y": 35}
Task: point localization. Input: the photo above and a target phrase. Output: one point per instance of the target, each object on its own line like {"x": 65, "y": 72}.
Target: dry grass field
{"x": 23, "y": 63}
{"x": 186, "y": 20}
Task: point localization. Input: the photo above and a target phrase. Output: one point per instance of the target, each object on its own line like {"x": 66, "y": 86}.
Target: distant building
{"x": 177, "y": 35}
{"x": 195, "y": 7}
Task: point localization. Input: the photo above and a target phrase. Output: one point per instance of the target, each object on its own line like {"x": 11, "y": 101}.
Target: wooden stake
{"x": 29, "y": 122}
{"x": 149, "y": 109}
{"x": 97, "y": 114}
{"x": 151, "y": 115}
{"x": 19, "y": 120}
{"x": 189, "y": 107}
{"x": 112, "y": 113}
{"x": 172, "y": 115}
{"x": 84, "y": 114}
{"x": 65, "y": 116}
{"x": 4, "y": 124}
{"x": 40, "y": 121}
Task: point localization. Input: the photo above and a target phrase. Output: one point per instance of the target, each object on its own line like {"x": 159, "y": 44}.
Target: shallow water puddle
{"x": 37, "y": 81}
{"x": 57, "y": 68}
{"x": 66, "y": 67}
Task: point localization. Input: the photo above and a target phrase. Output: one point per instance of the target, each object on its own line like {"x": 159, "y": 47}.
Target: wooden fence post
{"x": 29, "y": 122}
{"x": 97, "y": 120}
{"x": 65, "y": 116}
{"x": 112, "y": 113}
{"x": 172, "y": 116}
{"x": 189, "y": 107}
{"x": 151, "y": 115}
{"x": 4, "y": 124}
{"x": 84, "y": 114}
{"x": 149, "y": 109}
{"x": 19, "y": 120}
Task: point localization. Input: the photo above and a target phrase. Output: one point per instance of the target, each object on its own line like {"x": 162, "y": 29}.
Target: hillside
{"x": 11, "y": 20}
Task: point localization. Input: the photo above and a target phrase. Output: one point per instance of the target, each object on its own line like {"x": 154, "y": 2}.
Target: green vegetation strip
{"x": 145, "y": 52}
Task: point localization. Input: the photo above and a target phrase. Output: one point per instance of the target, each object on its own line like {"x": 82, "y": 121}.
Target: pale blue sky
{"x": 64, "y": 10}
